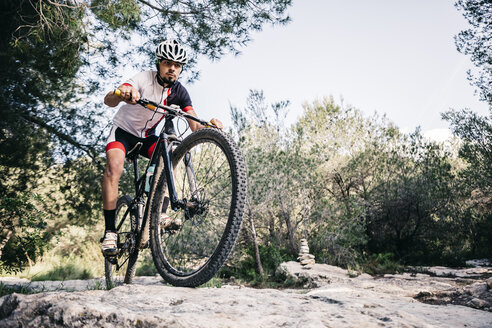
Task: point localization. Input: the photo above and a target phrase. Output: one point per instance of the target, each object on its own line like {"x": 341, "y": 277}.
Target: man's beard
{"x": 164, "y": 80}
{"x": 167, "y": 81}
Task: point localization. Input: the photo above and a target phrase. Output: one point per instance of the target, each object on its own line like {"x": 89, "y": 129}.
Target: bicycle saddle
{"x": 133, "y": 153}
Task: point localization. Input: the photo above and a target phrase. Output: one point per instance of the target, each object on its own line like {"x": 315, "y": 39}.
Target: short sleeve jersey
{"x": 140, "y": 121}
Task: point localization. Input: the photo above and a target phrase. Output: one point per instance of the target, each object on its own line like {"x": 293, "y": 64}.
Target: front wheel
{"x": 120, "y": 268}
{"x": 210, "y": 179}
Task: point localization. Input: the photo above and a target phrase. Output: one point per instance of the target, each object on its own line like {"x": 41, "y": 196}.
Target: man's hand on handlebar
{"x": 129, "y": 94}
{"x": 125, "y": 93}
{"x": 217, "y": 123}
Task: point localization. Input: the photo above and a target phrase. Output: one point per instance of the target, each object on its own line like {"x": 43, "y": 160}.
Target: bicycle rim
{"x": 216, "y": 188}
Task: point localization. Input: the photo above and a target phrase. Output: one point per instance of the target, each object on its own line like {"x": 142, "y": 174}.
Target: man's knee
{"x": 114, "y": 166}
{"x": 113, "y": 170}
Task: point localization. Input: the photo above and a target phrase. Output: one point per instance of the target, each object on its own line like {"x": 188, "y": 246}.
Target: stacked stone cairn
{"x": 306, "y": 259}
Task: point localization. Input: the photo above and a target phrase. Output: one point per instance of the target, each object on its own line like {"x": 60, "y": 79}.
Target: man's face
{"x": 170, "y": 70}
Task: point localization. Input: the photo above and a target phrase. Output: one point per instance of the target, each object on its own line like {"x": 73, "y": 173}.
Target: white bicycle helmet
{"x": 171, "y": 50}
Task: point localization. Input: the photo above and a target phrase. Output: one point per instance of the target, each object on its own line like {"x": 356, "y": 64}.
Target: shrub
{"x": 67, "y": 271}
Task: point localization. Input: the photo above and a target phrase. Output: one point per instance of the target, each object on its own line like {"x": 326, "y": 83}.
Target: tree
{"x": 54, "y": 56}
{"x": 474, "y": 130}
{"x": 475, "y": 179}
{"x": 55, "y": 53}
{"x": 21, "y": 236}
{"x": 477, "y": 42}
{"x": 344, "y": 148}
{"x": 38, "y": 73}
{"x": 412, "y": 194}
{"x": 259, "y": 131}
{"x": 357, "y": 187}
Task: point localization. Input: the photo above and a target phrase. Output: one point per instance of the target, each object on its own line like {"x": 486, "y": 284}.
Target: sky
{"x": 396, "y": 58}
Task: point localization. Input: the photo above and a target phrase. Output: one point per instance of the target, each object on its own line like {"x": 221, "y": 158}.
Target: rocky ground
{"x": 433, "y": 297}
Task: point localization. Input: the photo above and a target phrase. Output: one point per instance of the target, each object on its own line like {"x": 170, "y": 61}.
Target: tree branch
{"x": 165, "y": 11}
{"x": 89, "y": 150}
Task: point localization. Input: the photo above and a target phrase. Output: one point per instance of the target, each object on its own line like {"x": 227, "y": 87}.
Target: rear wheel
{"x": 121, "y": 268}
{"x": 210, "y": 178}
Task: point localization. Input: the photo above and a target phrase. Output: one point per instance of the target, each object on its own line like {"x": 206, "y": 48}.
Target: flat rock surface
{"x": 333, "y": 299}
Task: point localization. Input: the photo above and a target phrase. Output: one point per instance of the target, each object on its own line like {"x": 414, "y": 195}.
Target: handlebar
{"x": 167, "y": 110}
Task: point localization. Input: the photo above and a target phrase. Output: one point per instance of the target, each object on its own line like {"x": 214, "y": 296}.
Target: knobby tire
{"x": 194, "y": 254}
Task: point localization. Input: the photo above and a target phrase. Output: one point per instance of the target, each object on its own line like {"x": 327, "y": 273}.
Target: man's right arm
{"x": 129, "y": 94}
{"x": 111, "y": 99}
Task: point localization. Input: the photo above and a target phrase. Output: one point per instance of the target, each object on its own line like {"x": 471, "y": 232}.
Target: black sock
{"x": 109, "y": 220}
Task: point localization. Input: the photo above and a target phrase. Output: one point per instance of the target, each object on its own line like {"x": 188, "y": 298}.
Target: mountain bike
{"x": 199, "y": 181}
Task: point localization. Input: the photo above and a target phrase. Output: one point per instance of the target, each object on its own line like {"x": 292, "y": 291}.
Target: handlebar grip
{"x": 117, "y": 92}
{"x": 142, "y": 102}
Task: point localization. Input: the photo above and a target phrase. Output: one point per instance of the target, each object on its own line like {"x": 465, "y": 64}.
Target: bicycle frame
{"x": 162, "y": 151}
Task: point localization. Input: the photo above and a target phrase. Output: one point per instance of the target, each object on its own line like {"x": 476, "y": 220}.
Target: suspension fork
{"x": 190, "y": 172}
{"x": 168, "y": 169}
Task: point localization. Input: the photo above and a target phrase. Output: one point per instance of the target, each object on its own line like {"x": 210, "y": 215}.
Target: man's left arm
{"x": 197, "y": 126}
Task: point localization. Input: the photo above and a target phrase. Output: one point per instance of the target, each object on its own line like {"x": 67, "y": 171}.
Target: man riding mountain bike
{"x": 133, "y": 124}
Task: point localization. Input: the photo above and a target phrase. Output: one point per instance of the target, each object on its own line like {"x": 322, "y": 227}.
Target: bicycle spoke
{"x": 208, "y": 180}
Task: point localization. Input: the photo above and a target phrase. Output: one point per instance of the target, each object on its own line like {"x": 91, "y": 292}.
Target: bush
{"x": 382, "y": 263}
{"x": 271, "y": 257}
{"x": 6, "y": 290}
{"x": 21, "y": 234}
{"x": 68, "y": 271}
{"x": 145, "y": 265}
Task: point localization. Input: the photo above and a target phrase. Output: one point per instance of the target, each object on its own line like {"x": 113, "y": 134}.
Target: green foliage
{"x": 6, "y": 290}
{"x": 74, "y": 253}
{"x": 79, "y": 181}
{"x": 356, "y": 186}
{"x": 475, "y": 41}
{"x": 413, "y": 189}
{"x": 340, "y": 146}
{"x": 339, "y": 236}
{"x": 382, "y": 263}
{"x": 476, "y": 133}
{"x": 474, "y": 184}
{"x": 65, "y": 271}
{"x": 22, "y": 226}
{"x": 117, "y": 14}
{"x": 245, "y": 268}
{"x": 146, "y": 265}
{"x": 273, "y": 256}
{"x": 215, "y": 27}
{"x": 212, "y": 283}
{"x": 40, "y": 58}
